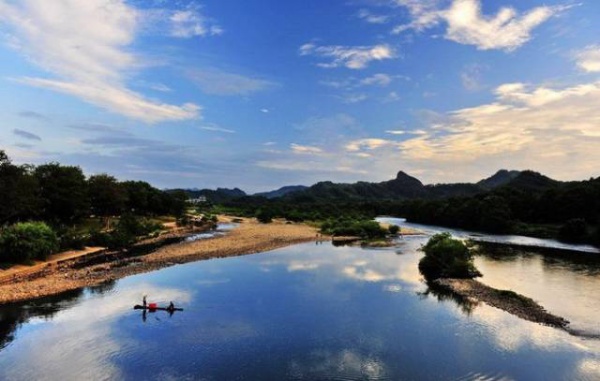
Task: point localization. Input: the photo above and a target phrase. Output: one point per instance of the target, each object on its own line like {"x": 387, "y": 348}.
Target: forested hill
{"x": 406, "y": 187}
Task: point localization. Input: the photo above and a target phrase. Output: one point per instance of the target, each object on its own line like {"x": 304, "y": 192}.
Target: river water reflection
{"x": 307, "y": 312}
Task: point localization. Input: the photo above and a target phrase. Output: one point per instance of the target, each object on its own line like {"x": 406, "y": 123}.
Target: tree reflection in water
{"x": 442, "y": 294}
{"x": 13, "y": 315}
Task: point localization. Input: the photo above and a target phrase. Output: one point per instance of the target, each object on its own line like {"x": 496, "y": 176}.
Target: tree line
{"x": 44, "y": 203}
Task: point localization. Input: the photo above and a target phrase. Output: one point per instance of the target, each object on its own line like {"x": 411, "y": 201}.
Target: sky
{"x": 265, "y": 93}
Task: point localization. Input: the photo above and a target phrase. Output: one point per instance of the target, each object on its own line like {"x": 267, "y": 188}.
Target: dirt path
{"x": 250, "y": 237}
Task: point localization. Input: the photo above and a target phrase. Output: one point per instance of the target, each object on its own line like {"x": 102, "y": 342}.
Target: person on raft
{"x": 144, "y": 301}
{"x": 171, "y": 307}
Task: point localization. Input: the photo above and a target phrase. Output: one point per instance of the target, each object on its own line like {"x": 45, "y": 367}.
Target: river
{"x": 308, "y": 312}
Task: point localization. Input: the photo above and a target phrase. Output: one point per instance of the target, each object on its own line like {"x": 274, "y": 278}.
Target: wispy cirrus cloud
{"x": 191, "y": 23}
{"x": 375, "y": 80}
{"x": 215, "y": 128}
{"x": 351, "y": 57}
{"x": 371, "y": 18}
{"x": 26, "y": 135}
{"x": 86, "y": 49}
{"x": 304, "y": 149}
{"x": 466, "y": 24}
{"x": 218, "y": 82}
{"x": 588, "y": 59}
{"x": 32, "y": 115}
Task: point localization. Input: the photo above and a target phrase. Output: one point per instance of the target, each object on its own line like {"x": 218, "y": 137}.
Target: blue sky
{"x": 261, "y": 94}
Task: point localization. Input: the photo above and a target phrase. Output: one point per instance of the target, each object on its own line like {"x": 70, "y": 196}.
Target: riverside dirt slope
{"x": 248, "y": 238}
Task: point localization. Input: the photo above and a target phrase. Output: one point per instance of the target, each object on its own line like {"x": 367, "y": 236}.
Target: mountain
{"x": 218, "y": 195}
{"x": 404, "y": 187}
{"x": 502, "y": 177}
{"x": 532, "y": 181}
{"x": 281, "y": 191}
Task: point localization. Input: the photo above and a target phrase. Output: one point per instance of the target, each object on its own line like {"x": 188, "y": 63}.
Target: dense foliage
{"x": 27, "y": 241}
{"x": 366, "y": 229}
{"x": 64, "y": 199}
{"x": 446, "y": 257}
{"x": 61, "y": 195}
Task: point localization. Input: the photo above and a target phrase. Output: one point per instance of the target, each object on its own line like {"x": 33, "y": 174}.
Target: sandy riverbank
{"x": 248, "y": 238}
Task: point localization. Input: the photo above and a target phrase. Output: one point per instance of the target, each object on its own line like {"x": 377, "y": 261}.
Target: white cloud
{"x": 551, "y": 130}
{"x": 396, "y": 132}
{"x": 378, "y": 79}
{"x": 86, "y": 47}
{"x": 353, "y": 98}
{"x": 119, "y": 99}
{"x": 297, "y": 148}
{"x": 507, "y": 30}
{"x": 191, "y": 23}
{"x": 588, "y": 59}
{"x": 351, "y": 57}
{"x": 424, "y": 14}
{"x": 466, "y": 24}
{"x": 371, "y": 18}
{"x": 368, "y": 144}
{"x": 218, "y": 82}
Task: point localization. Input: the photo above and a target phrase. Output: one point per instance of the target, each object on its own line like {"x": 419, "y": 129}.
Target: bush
{"x": 366, "y": 229}
{"x": 264, "y": 216}
{"x": 70, "y": 239}
{"x": 394, "y": 229}
{"x": 23, "y": 242}
{"x": 446, "y": 257}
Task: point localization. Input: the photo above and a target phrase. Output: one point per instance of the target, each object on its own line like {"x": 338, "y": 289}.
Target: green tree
{"x": 107, "y": 196}
{"x": 446, "y": 257}
{"x": 394, "y": 229}
{"x": 19, "y": 191}
{"x": 63, "y": 192}
{"x": 26, "y": 241}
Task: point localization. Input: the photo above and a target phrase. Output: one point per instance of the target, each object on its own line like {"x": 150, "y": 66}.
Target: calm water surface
{"x": 307, "y": 312}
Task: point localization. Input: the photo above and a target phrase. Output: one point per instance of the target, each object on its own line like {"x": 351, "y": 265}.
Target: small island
{"x": 448, "y": 263}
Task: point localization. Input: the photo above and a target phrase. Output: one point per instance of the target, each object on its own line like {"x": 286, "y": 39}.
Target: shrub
{"x": 264, "y": 216}
{"x": 394, "y": 229}
{"x": 27, "y": 241}
{"x": 366, "y": 229}
{"x": 446, "y": 257}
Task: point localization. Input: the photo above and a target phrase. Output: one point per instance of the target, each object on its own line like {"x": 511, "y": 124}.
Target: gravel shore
{"x": 508, "y": 301}
{"x": 248, "y": 238}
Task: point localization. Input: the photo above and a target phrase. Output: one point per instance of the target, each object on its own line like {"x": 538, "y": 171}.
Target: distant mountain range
{"x": 402, "y": 187}
{"x": 282, "y": 191}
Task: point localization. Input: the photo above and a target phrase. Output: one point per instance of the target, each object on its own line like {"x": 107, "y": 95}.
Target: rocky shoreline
{"x": 248, "y": 238}
{"x": 509, "y": 301}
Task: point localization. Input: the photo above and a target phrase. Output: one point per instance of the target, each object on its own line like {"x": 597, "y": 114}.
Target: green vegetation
{"x": 27, "y": 241}
{"x": 365, "y": 229}
{"x": 67, "y": 209}
{"x": 125, "y": 233}
{"x": 446, "y": 257}
{"x": 394, "y": 229}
